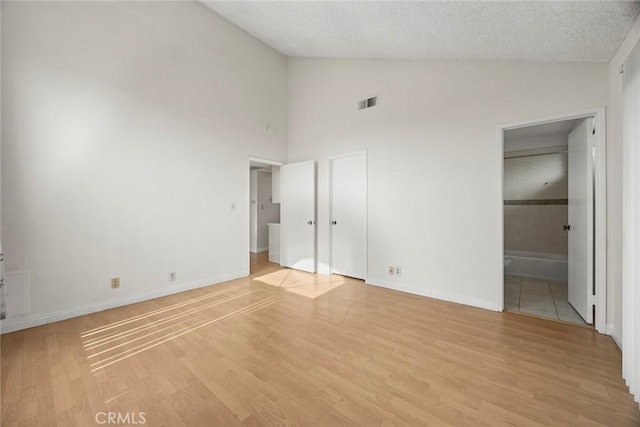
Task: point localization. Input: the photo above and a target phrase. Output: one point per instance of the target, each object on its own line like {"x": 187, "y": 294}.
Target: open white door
{"x": 581, "y": 219}
{"x": 349, "y": 216}
{"x": 298, "y": 216}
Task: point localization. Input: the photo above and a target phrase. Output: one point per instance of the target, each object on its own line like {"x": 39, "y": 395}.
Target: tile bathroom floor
{"x": 546, "y": 298}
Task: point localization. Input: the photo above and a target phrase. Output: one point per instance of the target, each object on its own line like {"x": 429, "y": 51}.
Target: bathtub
{"x": 538, "y": 265}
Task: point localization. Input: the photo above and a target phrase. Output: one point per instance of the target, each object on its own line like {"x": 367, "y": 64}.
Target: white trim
{"x": 264, "y": 249}
{"x": 12, "y": 325}
{"x": 347, "y": 155}
{"x": 330, "y": 164}
{"x": 330, "y": 160}
{"x": 265, "y": 161}
{"x": 611, "y": 331}
{"x": 600, "y": 263}
{"x": 591, "y": 112}
{"x": 436, "y": 294}
{"x": 500, "y": 192}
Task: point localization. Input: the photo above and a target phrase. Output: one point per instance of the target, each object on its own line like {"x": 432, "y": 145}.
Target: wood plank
{"x": 252, "y": 353}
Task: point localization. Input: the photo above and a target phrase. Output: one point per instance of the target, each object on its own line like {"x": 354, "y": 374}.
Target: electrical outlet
{"x": 392, "y": 270}
{"x": 172, "y": 276}
{"x": 115, "y": 283}
{"x": 398, "y": 271}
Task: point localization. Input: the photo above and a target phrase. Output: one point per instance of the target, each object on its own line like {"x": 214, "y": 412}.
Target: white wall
{"x": 614, "y": 186}
{"x": 262, "y": 211}
{"x": 434, "y": 156}
{"x": 267, "y": 211}
{"x": 127, "y": 128}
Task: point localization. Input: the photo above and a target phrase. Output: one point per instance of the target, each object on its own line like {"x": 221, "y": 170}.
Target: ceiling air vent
{"x": 368, "y": 103}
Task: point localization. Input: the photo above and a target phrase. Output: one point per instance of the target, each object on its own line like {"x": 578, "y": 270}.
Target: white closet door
{"x": 299, "y": 216}
{"x": 349, "y": 216}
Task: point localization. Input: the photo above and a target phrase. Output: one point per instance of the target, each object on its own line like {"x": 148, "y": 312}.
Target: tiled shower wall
{"x": 535, "y": 194}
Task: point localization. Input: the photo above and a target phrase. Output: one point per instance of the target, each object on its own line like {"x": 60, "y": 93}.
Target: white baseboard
{"x": 425, "y": 292}
{"x": 29, "y": 321}
{"x": 611, "y": 331}
{"x": 265, "y": 249}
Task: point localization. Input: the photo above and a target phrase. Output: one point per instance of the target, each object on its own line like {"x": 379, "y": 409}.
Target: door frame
{"x": 600, "y": 204}
{"x": 331, "y": 159}
{"x": 248, "y": 198}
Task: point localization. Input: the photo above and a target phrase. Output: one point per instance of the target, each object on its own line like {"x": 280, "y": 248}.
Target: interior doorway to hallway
{"x": 264, "y": 210}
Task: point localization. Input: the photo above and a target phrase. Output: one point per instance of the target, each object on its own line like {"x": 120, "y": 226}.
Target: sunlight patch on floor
{"x": 178, "y": 306}
{"x": 120, "y": 340}
{"x": 302, "y": 283}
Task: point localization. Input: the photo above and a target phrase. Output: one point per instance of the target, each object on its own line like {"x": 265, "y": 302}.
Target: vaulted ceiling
{"x": 549, "y": 31}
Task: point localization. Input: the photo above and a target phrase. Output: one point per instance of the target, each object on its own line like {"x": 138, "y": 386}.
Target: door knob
{"x": 334, "y": 222}
{"x": 310, "y": 222}
{"x": 566, "y": 227}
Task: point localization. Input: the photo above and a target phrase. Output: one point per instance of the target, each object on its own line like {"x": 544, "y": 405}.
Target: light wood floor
{"x": 256, "y": 351}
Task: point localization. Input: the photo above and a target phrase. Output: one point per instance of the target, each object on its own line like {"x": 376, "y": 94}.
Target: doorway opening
{"x": 264, "y": 213}
{"x": 553, "y": 220}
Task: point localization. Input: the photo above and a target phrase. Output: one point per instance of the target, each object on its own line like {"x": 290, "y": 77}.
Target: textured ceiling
{"x": 551, "y": 31}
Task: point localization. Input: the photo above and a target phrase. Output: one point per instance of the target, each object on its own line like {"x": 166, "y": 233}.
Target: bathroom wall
{"x": 535, "y": 194}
